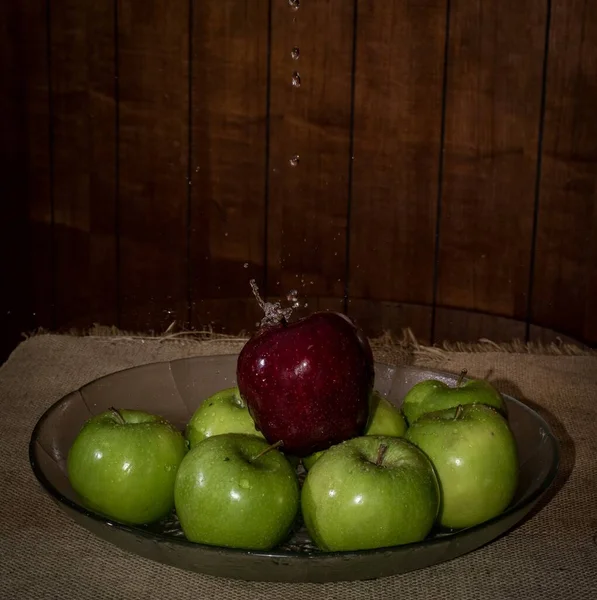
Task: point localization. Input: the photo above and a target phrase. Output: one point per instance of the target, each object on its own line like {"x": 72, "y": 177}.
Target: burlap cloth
{"x": 553, "y": 554}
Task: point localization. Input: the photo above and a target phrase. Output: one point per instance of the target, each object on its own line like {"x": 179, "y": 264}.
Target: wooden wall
{"x": 436, "y": 168}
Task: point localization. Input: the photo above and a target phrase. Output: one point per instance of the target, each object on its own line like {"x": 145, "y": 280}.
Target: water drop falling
{"x": 294, "y": 161}
{"x": 294, "y": 4}
{"x": 246, "y": 265}
{"x": 296, "y": 79}
{"x": 295, "y": 53}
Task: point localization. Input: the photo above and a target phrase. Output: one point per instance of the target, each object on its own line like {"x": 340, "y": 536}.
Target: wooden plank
{"x": 229, "y": 111}
{"x": 32, "y": 50}
{"x": 153, "y": 162}
{"x": 304, "y": 305}
{"x": 15, "y": 313}
{"x": 397, "y": 130}
{"x": 83, "y": 71}
{"x": 307, "y": 212}
{"x": 493, "y": 101}
{"x": 377, "y": 317}
{"x": 453, "y": 325}
{"x": 565, "y": 274}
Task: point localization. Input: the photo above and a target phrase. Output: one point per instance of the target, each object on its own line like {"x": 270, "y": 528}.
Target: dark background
{"x": 446, "y": 179}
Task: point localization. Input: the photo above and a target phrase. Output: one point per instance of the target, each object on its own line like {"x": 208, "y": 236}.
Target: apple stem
{"x": 238, "y": 400}
{"x": 461, "y": 377}
{"x": 459, "y": 410}
{"x": 381, "y": 452}
{"x": 268, "y": 449}
{"x": 118, "y": 415}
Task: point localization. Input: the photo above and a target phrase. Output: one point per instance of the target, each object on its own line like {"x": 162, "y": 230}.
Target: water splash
{"x": 296, "y": 79}
{"x": 295, "y": 53}
{"x": 294, "y": 4}
{"x": 273, "y": 311}
{"x": 294, "y": 161}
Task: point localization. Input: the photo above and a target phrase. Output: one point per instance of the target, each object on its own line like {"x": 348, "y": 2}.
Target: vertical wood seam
{"x": 266, "y": 193}
{"x": 533, "y": 242}
{"x": 355, "y": 23}
{"x": 51, "y": 159}
{"x": 440, "y": 173}
{"x": 190, "y": 168}
{"x": 117, "y": 162}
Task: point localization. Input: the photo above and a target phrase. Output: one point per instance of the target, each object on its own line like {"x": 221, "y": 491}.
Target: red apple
{"x": 307, "y": 383}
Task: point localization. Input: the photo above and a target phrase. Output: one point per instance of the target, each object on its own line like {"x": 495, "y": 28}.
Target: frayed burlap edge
{"x": 389, "y": 346}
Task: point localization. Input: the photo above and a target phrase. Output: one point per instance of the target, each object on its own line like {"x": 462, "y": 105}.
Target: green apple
{"x": 432, "y": 395}
{"x": 370, "y": 492}
{"x": 384, "y": 419}
{"x": 224, "y": 412}
{"x": 474, "y": 454}
{"x": 123, "y": 464}
{"x": 235, "y": 490}
{"x": 309, "y": 461}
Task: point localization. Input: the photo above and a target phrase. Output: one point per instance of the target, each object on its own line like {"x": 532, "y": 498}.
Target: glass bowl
{"x": 175, "y": 389}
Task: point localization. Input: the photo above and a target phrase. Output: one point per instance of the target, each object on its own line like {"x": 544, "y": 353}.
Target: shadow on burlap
{"x": 553, "y": 554}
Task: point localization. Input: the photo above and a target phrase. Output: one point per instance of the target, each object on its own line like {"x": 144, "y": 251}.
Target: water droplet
{"x": 244, "y": 483}
{"x": 294, "y": 4}
{"x": 295, "y": 53}
{"x": 296, "y": 79}
{"x": 226, "y": 234}
{"x": 246, "y": 265}
{"x": 293, "y": 297}
{"x": 294, "y": 161}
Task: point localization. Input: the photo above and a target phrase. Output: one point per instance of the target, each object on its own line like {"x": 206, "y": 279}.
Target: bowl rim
{"x": 144, "y": 531}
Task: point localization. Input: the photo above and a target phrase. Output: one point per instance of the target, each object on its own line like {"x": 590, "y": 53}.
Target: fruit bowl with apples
{"x": 299, "y": 459}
